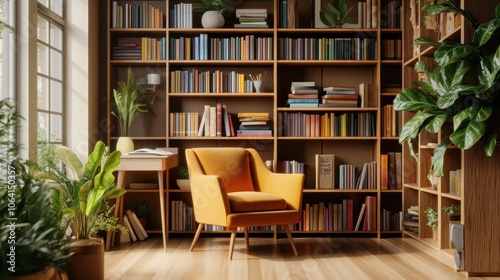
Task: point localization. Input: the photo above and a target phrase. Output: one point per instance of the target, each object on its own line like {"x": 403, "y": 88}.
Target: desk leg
{"x": 162, "y": 209}
{"x": 118, "y": 211}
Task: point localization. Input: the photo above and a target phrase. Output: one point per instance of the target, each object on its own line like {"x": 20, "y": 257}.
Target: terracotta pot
{"x": 143, "y": 222}
{"x": 87, "y": 261}
{"x": 47, "y": 274}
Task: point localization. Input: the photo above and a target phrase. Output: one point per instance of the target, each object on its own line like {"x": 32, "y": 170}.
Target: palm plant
{"x": 462, "y": 89}
{"x": 222, "y": 6}
{"x": 130, "y": 101}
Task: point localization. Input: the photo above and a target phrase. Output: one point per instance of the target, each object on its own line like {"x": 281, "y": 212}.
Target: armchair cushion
{"x": 249, "y": 201}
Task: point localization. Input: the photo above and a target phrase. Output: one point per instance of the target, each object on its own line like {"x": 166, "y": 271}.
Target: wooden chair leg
{"x": 196, "y": 236}
{"x": 247, "y": 243}
{"x": 289, "y": 235}
{"x": 231, "y": 244}
{"x": 275, "y": 232}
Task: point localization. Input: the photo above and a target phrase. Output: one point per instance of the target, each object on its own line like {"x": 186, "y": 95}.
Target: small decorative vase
{"x": 212, "y": 19}
{"x": 125, "y": 144}
{"x": 257, "y": 84}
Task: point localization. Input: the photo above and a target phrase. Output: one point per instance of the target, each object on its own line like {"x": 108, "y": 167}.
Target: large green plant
{"x": 84, "y": 194}
{"x": 130, "y": 101}
{"x": 462, "y": 89}
{"x": 336, "y": 14}
{"x": 30, "y": 233}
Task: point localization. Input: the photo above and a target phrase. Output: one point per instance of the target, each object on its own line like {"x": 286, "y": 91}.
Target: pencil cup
{"x": 257, "y": 85}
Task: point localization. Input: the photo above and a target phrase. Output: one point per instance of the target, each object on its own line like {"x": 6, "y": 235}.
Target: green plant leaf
{"x": 481, "y": 112}
{"x": 438, "y": 159}
{"x": 468, "y": 133}
{"x": 489, "y": 68}
{"x": 435, "y": 123}
{"x": 490, "y": 141}
{"x": 449, "y": 53}
{"x": 425, "y": 85}
{"x": 414, "y": 99}
{"x": 421, "y": 67}
{"x": 412, "y": 127}
{"x": 485, "y": 31}
{"x": 68, "y": 157}
{"x": 438, "y": 8}
{"x": 444, "y": 78}
{"x": 426, "y": 41}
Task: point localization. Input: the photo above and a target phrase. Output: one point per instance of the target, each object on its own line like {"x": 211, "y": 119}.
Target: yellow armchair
{"x": 232, "y": 187}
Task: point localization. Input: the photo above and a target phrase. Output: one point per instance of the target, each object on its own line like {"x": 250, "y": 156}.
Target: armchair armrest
{"x": 210, "y": 201}
{"x": 287, "y": 186}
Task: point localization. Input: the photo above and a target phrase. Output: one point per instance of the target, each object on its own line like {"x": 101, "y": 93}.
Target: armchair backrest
{"x": 232, "y": 165}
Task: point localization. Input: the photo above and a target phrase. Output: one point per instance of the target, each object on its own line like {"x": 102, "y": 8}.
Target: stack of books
{"x": 339, "y": 97}
{"x": 251, "y": 18}
{"x": 303, "y": 94}
{"x": 254, "y": 125}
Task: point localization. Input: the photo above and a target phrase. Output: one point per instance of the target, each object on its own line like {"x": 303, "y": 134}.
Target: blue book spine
{"x": 303, "y": 100}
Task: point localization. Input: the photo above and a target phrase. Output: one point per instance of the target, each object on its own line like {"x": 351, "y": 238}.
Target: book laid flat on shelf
{"x": 148, "y": 151}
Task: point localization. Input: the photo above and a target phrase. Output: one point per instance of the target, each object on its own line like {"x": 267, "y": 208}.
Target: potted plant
{"x": 432, "y": 220}
{"x": 183, "y": 180}
{"x": 462, "y": 91}
{"x": 142, "y": 210}
{"x": 130, "y": 100}
{"x": 453, "y": 212}
{"x": 214, "y": 12}
{"x": 30, "y": 233}
{"x": 336, "y": 14}
{"x": 84, "y": 196}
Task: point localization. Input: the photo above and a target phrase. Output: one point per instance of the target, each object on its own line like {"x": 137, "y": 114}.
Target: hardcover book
{"x": 325, "y": 171}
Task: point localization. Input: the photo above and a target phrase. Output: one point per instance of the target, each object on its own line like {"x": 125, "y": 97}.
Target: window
{"x": 50, "y": 75}
{"x": 7, "y": 49}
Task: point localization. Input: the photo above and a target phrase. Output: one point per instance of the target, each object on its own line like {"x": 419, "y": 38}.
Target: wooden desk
{"x": 161, "y": 164}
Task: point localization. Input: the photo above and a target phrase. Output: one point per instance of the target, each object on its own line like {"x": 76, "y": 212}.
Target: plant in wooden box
{"x": 336, "y": 14}
{"x": 432, "y": 220}
{"x": 142, "y": 210}
{"x": 183, "y": 180}
{"x": 131, "y": 99}
{"x": 463, "y": 89}
{"x": 214, "y": 12}
{"x": 83, "y": 196}
{"x": 30, "y": 232}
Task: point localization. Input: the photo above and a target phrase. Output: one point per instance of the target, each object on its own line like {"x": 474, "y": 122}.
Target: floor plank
{"x": 319, "y": 258}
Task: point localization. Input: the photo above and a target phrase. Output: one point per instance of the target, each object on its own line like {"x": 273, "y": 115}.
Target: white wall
{"x": 82, "y": 75}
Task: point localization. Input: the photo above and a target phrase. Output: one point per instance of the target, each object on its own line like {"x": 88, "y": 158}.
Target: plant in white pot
{"x": 83, "y": 196}
{"x": 130, "y": 99}
{"x": 214, "y": 12}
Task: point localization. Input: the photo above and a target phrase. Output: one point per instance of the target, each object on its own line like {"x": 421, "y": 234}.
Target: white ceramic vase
{"x": 125, "y": 144}
{"x": 212, "y": 19}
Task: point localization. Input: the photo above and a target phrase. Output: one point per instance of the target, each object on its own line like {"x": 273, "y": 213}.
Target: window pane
{"x": 7, "y": 11}
{"x": 43, "y": 59}
{"x": 43, "y": 30}
{"x": 42, "y": 93}
{"x": 44, "y": 2}
{"x": 55, "y": 64}
{"x": 7, "y": 65}
{"x": 56, "y": 37}
{"x": 57, "y": 7}
{"x": 56, "y": 99}
{"x": 56, "y": 128}
{"x": 43, "y": 127}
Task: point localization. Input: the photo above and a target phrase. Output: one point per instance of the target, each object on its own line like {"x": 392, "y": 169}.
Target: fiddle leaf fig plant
{"x": 336, "y": 14}
{"x": 463, "y": 89}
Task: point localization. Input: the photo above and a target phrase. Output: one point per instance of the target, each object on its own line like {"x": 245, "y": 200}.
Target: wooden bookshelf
{"x": 383, "y": 73}
{"x": 478, "y": 194}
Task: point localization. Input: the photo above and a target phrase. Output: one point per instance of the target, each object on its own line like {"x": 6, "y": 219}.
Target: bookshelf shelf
{"x": 375, "y": 73}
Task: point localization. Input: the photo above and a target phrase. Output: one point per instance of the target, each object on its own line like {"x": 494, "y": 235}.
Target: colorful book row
{"x": 299, "y": 124}
{"x": 327, "y": 48}
{"x": 144, "y": 15}
{"x": 144, "y": 48}
{"x": 181, "y": 16}
{"x": 248, "y": 47}
{"x": 193, "y": 81}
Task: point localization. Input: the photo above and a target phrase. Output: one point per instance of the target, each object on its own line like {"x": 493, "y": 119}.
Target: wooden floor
{"x": 319, "y": 258}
